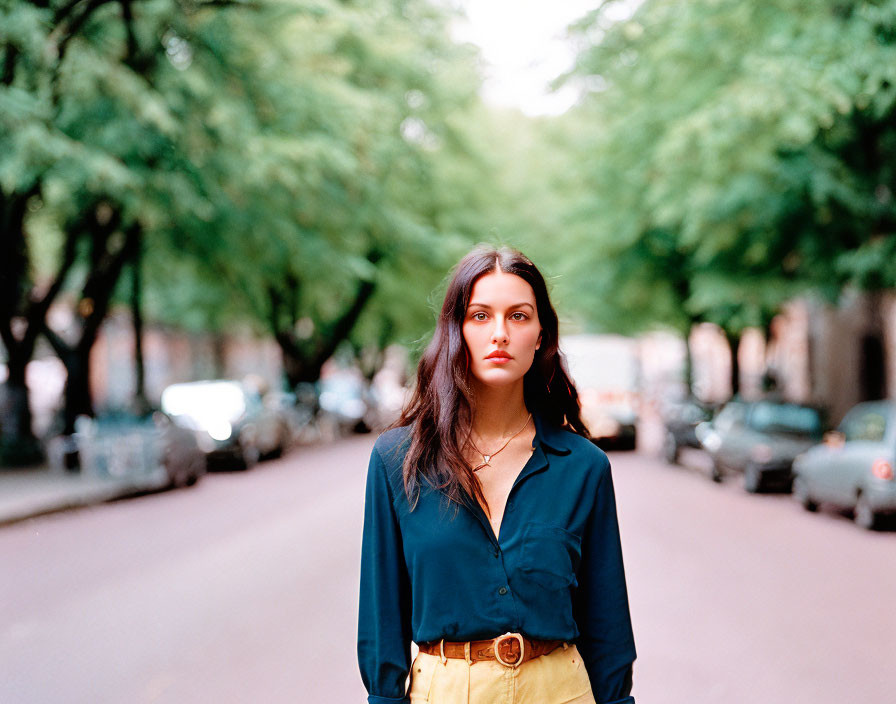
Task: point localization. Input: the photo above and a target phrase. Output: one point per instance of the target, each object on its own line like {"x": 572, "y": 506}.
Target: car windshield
{"x": 785, "y": 418}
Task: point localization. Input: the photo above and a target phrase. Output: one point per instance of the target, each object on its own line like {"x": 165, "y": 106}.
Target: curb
{"x": 77, "y": 499}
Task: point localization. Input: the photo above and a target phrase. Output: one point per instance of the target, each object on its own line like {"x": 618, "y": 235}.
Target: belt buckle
{"x": 500, "y": 639}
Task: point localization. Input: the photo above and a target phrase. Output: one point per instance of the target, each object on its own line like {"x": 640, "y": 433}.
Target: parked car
{"x": 681, "y": 419}
{"x": 345, "y": 404}
{"x": 760, "y": 439}
{"x": 184, "y": 461}
{"x": 152, "y": 451}
{"x": 296, "y": 418}
{"x": 234, "y": 426}
{"x": 853, "y": 469}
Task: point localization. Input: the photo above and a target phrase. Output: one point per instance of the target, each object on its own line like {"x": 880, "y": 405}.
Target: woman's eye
{"x": 479, "y": 316}
{"x": 519, "y": 316}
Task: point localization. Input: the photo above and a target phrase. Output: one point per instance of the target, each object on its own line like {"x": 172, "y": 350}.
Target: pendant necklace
{"x": 488, "y": 458}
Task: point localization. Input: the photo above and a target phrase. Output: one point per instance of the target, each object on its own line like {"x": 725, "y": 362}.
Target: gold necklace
{"x": 488, "y": 458}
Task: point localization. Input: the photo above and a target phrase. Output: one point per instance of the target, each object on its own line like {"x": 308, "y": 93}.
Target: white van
{"x": 606, "y": 370}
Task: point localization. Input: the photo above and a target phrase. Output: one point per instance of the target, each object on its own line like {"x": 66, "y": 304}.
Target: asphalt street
{"x": 244, "y": 589}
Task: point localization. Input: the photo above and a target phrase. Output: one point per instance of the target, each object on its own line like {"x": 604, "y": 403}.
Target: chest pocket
{"x": 551, "y": 556}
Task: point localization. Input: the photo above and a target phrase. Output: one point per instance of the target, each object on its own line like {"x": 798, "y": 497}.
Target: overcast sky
{"x": 524, "y": 46}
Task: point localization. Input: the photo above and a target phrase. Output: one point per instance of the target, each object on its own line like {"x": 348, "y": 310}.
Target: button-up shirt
{"x": 436, "y": 570}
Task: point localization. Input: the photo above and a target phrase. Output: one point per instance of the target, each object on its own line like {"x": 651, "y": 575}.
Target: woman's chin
{"x": 498, "y": 378}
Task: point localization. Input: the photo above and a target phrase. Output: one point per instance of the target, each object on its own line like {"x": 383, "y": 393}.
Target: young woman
{"x": 490, "y": 531}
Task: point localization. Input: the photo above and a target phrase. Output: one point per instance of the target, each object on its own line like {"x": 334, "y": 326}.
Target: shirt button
{"x": 497, "y": 552}
{"x": 502, "y": 591}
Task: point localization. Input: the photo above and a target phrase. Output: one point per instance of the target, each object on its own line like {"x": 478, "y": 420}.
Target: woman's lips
{"x": 499, "y": 357}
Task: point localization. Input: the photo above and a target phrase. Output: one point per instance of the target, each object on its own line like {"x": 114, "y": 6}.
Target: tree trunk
{"x": 106, "y": 267}
{"x": 304, "y": 359}
{"x": 770, "y": 381}
{"x": 734, "y": 345}
{"x": 18, "y": 445}
{"x": 688, "y": 362}
{"x": 76, "y": 394}
{"x": 141, "y": 404}
{"x": 872, "y": 372}
{"x": 219, "y": 355}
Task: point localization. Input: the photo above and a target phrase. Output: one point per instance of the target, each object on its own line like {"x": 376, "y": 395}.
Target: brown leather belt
{"x": 511, "y": 649}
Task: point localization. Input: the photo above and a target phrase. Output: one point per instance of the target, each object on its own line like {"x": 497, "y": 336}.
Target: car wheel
{"x": 802, "y": 495}
{"x": 864, "y": 515}
{"x": 671, "y": 450}
{"x": 752, "y": 479}
{"x": 197, "y": 469}
{"x": 716, "y": 472}
{"x": 176, "y": 475}
{"x": 251, "y": 455}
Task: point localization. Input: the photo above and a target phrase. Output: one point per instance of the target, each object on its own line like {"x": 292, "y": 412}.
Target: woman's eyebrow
{"x": 488, "y": 307}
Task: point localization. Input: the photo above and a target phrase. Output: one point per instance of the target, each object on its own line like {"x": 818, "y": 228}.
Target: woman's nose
{"x": 499, "y": 333}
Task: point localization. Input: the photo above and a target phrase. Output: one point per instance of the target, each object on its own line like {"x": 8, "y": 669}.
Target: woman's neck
{"x": 499, "y": 412}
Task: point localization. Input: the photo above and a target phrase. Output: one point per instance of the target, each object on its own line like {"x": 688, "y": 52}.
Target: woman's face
{"x": 501, "y": 329}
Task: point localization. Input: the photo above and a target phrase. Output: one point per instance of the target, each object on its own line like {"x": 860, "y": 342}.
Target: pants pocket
{"x": 557, "y": 678}
{"x": 422, "y": 671}
{"x": 579, "y": 691}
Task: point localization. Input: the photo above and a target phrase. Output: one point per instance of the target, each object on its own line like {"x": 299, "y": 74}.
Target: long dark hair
{"x": 439, "y": 412}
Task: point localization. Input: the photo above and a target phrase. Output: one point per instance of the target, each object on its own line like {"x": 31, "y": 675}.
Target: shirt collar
{"x": 552, "y": 437}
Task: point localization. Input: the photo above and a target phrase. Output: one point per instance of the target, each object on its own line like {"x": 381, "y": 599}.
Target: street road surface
{"x": 244, "y": 589}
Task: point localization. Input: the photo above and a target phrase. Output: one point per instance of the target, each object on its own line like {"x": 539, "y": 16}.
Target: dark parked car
{"x": 233, "y": 424}
{"x": 760, "y": 439}
{"x": 853, "y": 469}
{"x": 681, "y": 419}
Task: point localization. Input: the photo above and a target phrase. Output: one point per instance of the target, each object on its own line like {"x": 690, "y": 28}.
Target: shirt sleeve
{"x": 600, "y": 605}
{"x": 384, "y": 631}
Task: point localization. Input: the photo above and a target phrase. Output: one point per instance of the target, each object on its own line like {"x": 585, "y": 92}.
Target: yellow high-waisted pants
{"x": 556, "y": 678}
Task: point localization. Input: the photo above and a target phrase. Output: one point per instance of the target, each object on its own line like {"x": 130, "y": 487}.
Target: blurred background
{"x": 225, "y": 227}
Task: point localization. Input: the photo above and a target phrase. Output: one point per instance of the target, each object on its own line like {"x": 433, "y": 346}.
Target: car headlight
{"x": 711, "y": 440}
{"x": 220, "y": 430}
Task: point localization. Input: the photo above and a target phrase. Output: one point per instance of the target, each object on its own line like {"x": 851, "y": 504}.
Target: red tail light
{"x": 882, "y": 469}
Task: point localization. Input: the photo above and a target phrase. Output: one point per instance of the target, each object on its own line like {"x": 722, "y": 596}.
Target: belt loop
{"x": 467, "y": 653}
{"x": 442, "y": 652}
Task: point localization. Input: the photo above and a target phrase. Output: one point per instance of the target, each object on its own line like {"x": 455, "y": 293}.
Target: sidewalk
{"x": 25, "y": 493}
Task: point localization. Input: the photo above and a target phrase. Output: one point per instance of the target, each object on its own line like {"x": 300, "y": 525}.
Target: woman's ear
{"x": 538, "y": 344}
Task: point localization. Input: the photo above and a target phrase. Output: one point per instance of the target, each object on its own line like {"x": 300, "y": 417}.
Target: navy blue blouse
{"x": 438, "y": 571}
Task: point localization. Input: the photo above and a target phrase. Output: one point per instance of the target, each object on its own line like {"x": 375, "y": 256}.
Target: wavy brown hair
{"x": 439, "y": 411}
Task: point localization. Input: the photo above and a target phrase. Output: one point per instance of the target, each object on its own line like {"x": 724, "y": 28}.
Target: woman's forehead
{"x": 499, "y": 287}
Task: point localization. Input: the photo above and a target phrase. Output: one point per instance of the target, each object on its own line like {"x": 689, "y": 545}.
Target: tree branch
{"x": 105, "y": 285}
{"x": 340, "y": 328}
{"x": 60, "y": 346}
{"x": 69, "y": 252}
{"x": 9, "y": 64}
{"x": 127, "y": 15}
{"x": 90, "y": 7}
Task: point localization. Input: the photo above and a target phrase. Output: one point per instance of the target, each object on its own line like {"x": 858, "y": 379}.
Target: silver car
{"x": 853, "y": 468}
{"x": 759, "y": 439}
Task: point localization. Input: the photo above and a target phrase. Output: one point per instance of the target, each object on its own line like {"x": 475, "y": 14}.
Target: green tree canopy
{"x": 737, "y": 153}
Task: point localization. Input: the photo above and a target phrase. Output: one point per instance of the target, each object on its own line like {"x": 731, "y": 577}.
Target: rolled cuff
{"x": 373, "y": 699}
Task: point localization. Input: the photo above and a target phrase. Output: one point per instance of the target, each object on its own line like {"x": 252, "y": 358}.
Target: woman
{"x": 490, "y": 531}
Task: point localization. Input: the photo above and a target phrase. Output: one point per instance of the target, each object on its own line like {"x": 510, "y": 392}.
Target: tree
{"x": 753, "y": 136}
{"x": 289, "y": 162}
